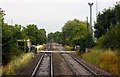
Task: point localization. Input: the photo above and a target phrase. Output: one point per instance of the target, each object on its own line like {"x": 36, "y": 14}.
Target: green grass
{"x": 16, "y": 63}
{"x": 93, "y": 56}
{"x": 105, "y": 59}
{"x": 0, "y": 71}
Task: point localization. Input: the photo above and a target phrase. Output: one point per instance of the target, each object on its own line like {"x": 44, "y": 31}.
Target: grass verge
{"x": 0, "y": 70}
{"x": 105, "y": 59}
{"x": 16, "y": 63}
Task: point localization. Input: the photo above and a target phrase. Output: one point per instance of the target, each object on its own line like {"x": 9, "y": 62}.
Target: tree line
{"x": 107, "y": 28}
{"x": 106, "y": 33}
{"x": 74, "y": 32}
{"x": 12, "y": 33}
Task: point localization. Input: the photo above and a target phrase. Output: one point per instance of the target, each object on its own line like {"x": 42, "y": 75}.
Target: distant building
{"x": 23, "y": 44}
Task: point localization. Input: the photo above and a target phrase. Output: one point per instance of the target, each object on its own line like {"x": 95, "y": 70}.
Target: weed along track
{"x": 44, "y": 66}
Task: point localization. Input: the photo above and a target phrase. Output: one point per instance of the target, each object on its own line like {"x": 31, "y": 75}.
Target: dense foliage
{"x": 12, "y": 33}
{"x": 74, "y": 32}
{"x": 107, "y": 28}
{"x": 111, "y": 39}
{"x": 108, "y": 18}
{"x": 55, "y": 37}
{"x": 1, "y": 22}
{"x": 37, "y": 36}
{"x": 50, "y": 37}
{"x": 9, "y": 41}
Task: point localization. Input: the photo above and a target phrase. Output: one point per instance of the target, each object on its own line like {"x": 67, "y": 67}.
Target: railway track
{"x": 83, "y": 65}
{"x": 44, "y": 66}
{"x": 73, "y": 65}
{"x": 76, "y": 66}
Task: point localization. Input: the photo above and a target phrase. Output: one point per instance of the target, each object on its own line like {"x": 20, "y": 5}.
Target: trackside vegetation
{"x": 12, "y": 33}
{"x": 107, "y": 47}
{"x": 15, "y": 56}
{"x": 103, "y": 43}
{"x": 105, "y": 59}
{"x": 74, "y": 32}
{"x": 16, "y": 63}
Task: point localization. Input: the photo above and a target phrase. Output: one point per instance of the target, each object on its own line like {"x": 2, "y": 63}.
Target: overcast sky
{"x": 50, "y": 14}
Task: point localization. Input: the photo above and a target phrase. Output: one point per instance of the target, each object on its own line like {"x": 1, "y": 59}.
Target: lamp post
{"x": 90, "y": 4}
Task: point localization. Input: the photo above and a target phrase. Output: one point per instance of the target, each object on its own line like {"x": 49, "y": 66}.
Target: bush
{"x": 68, "y": 48}
{"x": 100, "y": 42}
{"x": 111, "y": 39}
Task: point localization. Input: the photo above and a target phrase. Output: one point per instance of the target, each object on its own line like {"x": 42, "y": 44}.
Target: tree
{"x": 2, "y": 13}
{"x": 73, "y": 30}
{"x": 51, "y": 37}
{"x": 31, "y": 31}
{"x": 10, "y": 34}
{"x": 58, "y": 37}
{"x": 9, "y": 42}
{"x": 55, "y": 37}
{"x": 106, "y": 41}
{"x": 108, "y": 18}
{"x": 41, "y": 36}
{"x": 117, "y": 12}
{"x": 75, "y": 33}
{"x": 89, "y": 40}
{"x": 37, "y": 36}
{"x": 104, "y": 21}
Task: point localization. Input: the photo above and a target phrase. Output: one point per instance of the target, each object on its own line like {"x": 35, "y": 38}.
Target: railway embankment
{"x": 104, "y": 59}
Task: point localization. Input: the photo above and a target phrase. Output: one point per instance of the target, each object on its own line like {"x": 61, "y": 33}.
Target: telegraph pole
{"x": 90, "y": 4}
{"x": 86, "y": 49}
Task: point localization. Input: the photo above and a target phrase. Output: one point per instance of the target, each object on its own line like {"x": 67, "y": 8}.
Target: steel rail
{"x": 37, "y": 66}
{"x": 83, "y": 65}
{"x": 39, "y": 63}
{"x": 71, "y": 68}
{"x": 51, "y": 65}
